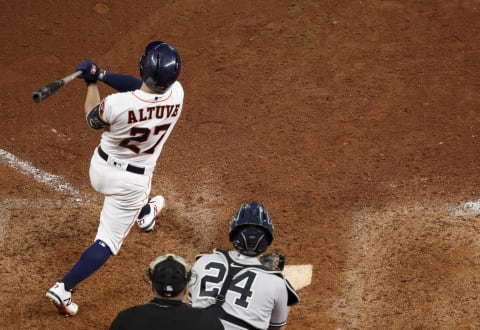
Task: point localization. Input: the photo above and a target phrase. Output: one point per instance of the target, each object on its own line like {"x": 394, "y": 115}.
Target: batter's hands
{"x": 91, "y": 72}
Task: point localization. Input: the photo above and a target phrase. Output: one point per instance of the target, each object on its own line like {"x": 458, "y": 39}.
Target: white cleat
{"x": 147, "y": 222}
{"x": 62, "y": 299}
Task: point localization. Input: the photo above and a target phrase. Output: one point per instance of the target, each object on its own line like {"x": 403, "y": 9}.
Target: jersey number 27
{"x": 141, "y": 134}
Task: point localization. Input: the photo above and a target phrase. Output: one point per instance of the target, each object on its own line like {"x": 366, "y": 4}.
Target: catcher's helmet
{"x": 159, "y": 66}
{"x": 251, "y": 229}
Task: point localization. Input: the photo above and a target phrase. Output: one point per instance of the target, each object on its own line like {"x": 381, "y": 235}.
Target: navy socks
{"x": 90, "y": 261}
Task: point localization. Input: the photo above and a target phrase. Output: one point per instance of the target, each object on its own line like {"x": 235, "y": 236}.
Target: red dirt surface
{"x": 354, "y": 122}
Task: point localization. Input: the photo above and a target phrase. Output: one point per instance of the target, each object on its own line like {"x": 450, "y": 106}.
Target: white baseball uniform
{"x": 138, "y": 125}
{"x": 255, "y": 296}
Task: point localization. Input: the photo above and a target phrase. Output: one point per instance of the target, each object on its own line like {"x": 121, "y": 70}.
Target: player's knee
{"x": 98, "y": 252}
{"x": 103, "y": 246}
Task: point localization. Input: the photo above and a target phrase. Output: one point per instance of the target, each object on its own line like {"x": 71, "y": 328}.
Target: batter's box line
{"x": 18, "y": 203}
{"x": 42, "y": 203}
{"x": 56, "y": 182}
{"x": 465, "y": 209}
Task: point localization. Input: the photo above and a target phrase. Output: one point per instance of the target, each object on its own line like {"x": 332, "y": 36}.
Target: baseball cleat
{"x": 150, "y": 212}
{"x": 62, "y": 299}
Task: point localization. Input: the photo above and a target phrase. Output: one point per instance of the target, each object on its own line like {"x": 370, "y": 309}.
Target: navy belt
{"x": 130, "y": 168}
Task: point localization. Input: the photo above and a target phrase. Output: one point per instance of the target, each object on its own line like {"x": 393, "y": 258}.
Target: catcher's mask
{"x": 251, "y": 229}
{"x": 169, "y": 274}
{"x": 159, "y": 66}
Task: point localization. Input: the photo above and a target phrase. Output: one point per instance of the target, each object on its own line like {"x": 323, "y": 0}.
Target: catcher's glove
{"x": 273, "y": 261}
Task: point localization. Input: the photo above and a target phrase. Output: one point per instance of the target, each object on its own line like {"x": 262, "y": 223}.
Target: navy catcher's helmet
{"x": 251, "y": 229}
{"x": 159, "y": 66}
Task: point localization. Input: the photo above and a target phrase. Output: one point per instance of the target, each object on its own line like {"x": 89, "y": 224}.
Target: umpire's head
{"x": 169, "y": 275}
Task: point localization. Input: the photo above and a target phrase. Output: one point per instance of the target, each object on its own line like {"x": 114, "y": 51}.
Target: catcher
{"x": 235, "y": 285}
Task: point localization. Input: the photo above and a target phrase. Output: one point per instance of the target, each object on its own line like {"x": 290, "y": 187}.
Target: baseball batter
{"x": 136, "y": 124}
{"x": 235, "y": 285}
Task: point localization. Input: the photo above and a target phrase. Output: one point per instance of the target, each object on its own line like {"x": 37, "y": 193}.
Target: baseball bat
{"x": 43, "y": 92}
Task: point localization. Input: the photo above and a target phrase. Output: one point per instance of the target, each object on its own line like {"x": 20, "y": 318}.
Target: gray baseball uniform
{"x": 255, "y": 295}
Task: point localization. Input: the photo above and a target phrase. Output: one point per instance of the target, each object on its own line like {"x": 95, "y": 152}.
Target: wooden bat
{"x": 43, "y": 92}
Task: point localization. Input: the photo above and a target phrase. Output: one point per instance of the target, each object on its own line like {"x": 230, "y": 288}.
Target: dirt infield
{"x": 354, "y": 122}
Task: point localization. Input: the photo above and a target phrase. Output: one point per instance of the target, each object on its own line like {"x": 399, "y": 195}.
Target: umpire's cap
{"x": 169, "y": 274}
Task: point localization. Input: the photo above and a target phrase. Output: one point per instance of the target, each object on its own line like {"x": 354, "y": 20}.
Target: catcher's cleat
{"x": 62, "y": 299}
{"x": 149, "y": 213}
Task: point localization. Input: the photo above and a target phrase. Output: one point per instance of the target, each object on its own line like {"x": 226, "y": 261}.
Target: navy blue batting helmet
{"x": 159, "y": 66}
{"x": 251, "y": 229}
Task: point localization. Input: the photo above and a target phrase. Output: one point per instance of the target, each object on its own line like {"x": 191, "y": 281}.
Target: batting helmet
{"x": 159, "y": 66}
{"x": 251, "y": 229}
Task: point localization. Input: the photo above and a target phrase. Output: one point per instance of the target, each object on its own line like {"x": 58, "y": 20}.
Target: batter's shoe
{"x": 62, "y": 299}
{"x": 149, "y": 213}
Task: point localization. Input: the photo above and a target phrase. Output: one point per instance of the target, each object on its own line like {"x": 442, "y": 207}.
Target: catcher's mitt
{"x": 273, "y": 261}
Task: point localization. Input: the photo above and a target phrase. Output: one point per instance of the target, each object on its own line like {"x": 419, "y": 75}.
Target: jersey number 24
{"x": 242, "y": 284}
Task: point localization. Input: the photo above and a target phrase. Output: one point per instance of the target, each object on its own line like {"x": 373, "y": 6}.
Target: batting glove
{"x": 91, "y": 72}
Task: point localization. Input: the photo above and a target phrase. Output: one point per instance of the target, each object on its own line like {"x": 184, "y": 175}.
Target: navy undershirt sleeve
{"x": 122, "y": 82}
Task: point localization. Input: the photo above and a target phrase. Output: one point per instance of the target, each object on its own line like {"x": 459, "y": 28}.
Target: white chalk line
{"x": 350, "y": 305}
{"x": 56, "y": 182}
{"x": 467, "y": 208}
